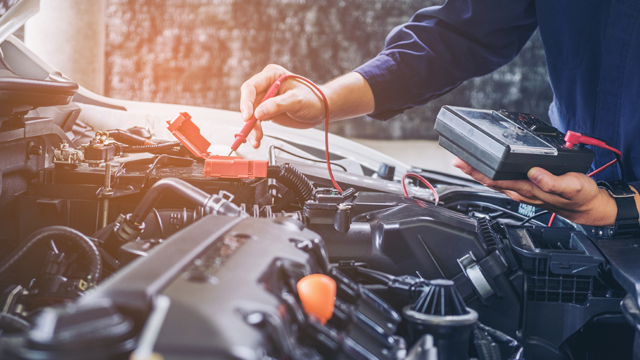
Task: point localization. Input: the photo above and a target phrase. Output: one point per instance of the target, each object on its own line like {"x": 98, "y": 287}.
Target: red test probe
{"x": 241, "y": 137}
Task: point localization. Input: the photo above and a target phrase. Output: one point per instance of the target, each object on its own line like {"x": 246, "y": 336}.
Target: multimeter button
{"x": 544, "y": 129}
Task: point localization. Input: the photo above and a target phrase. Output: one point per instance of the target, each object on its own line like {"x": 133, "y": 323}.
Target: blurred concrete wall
{"x": 70, "y": 34}
{"x": 199, "y": 52}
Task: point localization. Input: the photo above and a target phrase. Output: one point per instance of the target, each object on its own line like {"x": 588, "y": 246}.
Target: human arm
{"x": 433, "y": 53}
{"x": 573, "y": 196}
{"x": 298, "y": 106}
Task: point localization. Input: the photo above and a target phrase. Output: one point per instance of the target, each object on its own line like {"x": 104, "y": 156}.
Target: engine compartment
{"x": 117, "y": 244}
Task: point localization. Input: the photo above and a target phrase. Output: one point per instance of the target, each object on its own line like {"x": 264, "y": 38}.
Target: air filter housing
{"x": 441, "y": 312}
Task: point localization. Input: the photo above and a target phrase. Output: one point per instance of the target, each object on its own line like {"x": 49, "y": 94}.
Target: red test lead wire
{"x": 241, "y": 137}
{"x": 572, "y": 139}
{"x": 436, "y": 197}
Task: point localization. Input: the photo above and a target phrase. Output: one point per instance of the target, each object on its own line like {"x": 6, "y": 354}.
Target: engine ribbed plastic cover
{"x": 440, "y": 298}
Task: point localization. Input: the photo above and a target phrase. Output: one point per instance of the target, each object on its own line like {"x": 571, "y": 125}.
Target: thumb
{"x": 276, "y": 106}
{"x": 545, "y": 180}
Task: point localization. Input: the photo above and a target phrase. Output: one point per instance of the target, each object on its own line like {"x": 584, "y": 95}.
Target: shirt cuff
{"x": 387, "y": 83}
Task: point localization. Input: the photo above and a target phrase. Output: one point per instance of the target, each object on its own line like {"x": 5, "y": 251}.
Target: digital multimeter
{"x": 506, "y": 145}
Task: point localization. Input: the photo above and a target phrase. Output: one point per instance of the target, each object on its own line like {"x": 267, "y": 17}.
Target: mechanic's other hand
{"x": 573, "y": 196}
{"x": 295, "y": 105}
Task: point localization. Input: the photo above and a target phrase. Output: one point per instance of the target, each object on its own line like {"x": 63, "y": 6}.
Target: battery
{"x": 506, "y": 145}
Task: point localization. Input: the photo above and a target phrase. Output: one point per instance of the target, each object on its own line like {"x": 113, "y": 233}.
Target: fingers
{"x": 567, "y": 186}
{"x": 484, "y": 180}
{"x": 287, "y": 102}
{"x": 467, "y": 169}
{"x": 524, "y": 191}
{"x": 259, "y": 83}
{"x": 255, "y": 136}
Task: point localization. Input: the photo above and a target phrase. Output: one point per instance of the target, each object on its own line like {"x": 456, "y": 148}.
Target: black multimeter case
{"x": 506, "y": 145}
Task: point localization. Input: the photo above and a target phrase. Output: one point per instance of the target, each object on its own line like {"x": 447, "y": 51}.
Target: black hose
{"x": 10, "y": 324}
{"x": 55, "y": 233}
{"x": 293, "y": 180}
{"x": 109, "y": 260}
{"x": 127, "y": 138}
{"x": 376, "y": 276}
{"x": 148, "y": 148}
{"x": 487, "y": 349}
{"x": 533, "y": 217}
{"x": 503, "y": 338}
{"x": 179, "y": 187}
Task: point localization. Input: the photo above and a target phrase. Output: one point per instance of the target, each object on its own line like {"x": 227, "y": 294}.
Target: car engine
{"x": 118, "y": 244}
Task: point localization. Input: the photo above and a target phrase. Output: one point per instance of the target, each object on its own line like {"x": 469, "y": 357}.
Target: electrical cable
{"x": 436, "y": 197}
{"x": 127, "y": 138}
{"x": 533, "y": 217}
{"x": 293, "y": 179}
{"x": 126, "y": 149}
{"x": 573, "y": 138}
{"x": 308, "y": 159}
{"x": 326, "y": 125}
{"x": 272, "y": 91}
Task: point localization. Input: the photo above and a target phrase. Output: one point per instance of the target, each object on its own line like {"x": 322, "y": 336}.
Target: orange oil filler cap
{"x": 318, "y": 295}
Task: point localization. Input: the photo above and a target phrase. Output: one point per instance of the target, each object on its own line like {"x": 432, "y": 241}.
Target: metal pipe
{"x": 106, "y": 191}
{"x": 271, "y": 184}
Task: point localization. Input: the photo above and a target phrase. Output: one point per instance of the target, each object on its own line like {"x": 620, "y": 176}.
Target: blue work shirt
{"x": 592, "y": 50}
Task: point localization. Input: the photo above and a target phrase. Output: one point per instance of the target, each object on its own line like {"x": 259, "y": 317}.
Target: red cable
{"x": 241, "y": 137}
{"x": 603, "y": 167}
{"x": 573, "y": 138}
{"x": 326, "y": 123}
{"x": 436, "y": 197}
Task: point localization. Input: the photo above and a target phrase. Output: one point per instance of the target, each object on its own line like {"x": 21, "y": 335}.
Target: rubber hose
{"x": 10, "y": 323}
{"x": 293, "y": 180}
{"x": 55, "y": 233}
{"x": 487, "y": 349}
{"x": 149, "y": 148}
{"x": 108, "y": 259}
{"x": 378, "y": 276}
{"x": 502, "y": 337}
{"x": 127, "y": 138}
{"x": 179, "y": 187}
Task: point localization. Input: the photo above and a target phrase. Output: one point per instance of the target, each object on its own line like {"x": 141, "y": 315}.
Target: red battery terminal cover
{"x": 227, "y": 167}
{"x": 234, "y": 167}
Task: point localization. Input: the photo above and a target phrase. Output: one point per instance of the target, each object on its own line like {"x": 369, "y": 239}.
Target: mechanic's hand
{"x": 573, "y": 196}
{"x": 295, "y": 105}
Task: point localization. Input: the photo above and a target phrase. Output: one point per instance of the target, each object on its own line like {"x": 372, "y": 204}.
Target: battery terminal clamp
{"x": 227, "y": 167}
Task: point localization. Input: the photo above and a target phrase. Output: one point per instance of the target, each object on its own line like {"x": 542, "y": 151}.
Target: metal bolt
{"x": 33, "y": 150}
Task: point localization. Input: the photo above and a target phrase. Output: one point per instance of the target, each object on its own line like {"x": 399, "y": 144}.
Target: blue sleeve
{"x": 442, "y": 46}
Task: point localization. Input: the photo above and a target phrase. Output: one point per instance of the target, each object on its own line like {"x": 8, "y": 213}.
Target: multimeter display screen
{"x": 518, "y": 139}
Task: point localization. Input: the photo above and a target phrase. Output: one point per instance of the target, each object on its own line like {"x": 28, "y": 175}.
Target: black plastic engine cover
{"x": 400, "y": 236}
{"x": 231, "y": 284}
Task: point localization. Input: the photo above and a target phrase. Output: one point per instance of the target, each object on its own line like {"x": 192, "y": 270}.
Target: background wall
{"x": 199, "y": 52}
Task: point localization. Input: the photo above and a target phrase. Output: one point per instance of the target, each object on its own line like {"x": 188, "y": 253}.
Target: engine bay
{"x": 121, "y": 244}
